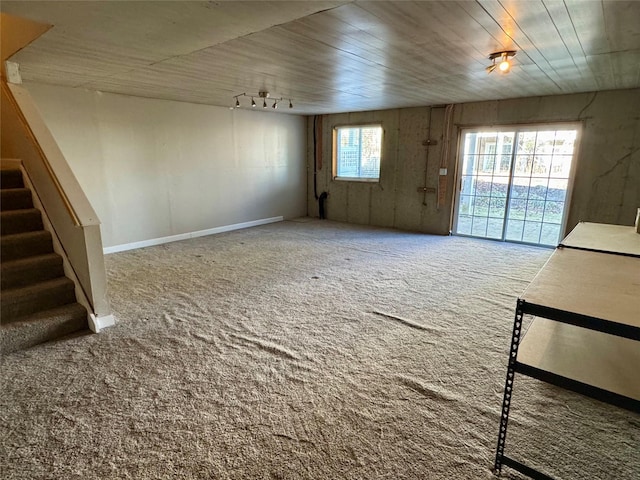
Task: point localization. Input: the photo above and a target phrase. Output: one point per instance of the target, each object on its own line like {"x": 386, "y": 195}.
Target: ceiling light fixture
{"x": 500, "y": 60}
{"x": 263, "y": 94}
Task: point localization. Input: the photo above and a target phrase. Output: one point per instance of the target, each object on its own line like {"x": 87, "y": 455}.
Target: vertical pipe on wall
{"x": 315, "y": 157}
{"x": 321, "y": 207}
{"x": 317, "y": 165}
{"x": 427, "y": 144}
{"x": 444, "y": 161}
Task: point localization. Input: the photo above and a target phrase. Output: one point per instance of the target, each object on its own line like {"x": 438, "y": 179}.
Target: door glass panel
{"x": 535, "y": 210}
{"x": 523, "y": 165}
{"x": 515, "y": 195}
{"x": 561, "y": 166}
{"x": 541, "y": 166}
{"x": 484, "y": 183}
{"x": 520, "y": 187}
{"x": 553, "y": 212}
{"x": 479, "y": 226}
{"x": 517, "y": 208}
{"x": 494, "y": 227}
{"x": 526, "y": 142}
{"x": 557, "y": 189}
{"x": 514, "y": 230}
{"x": 549, "y": 233}
{"x": 497, "y": 208}
{"x": 531, "y": 232}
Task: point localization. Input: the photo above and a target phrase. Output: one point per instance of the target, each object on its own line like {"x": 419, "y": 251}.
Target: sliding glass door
{"x": 514, "y": 183}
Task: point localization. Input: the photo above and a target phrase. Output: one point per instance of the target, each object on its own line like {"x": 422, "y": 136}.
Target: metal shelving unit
{"x": 585, "y": 336}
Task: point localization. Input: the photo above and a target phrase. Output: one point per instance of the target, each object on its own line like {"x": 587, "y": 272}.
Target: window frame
{"x": 334, "y": 155}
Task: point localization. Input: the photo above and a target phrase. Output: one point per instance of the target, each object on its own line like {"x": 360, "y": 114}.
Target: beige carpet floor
{"x": 302, "y": 350}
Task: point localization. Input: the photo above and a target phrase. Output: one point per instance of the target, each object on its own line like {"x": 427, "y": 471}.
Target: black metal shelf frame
{"x": 514, "y": 367}
{"x": 599, "y": 250}
{"x": 579, "y": 320}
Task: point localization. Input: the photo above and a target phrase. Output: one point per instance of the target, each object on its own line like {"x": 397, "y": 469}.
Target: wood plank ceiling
{"x": 334, "y": 56}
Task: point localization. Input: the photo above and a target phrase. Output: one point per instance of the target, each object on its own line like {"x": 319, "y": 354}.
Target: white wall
{"x": 156, "y": 168}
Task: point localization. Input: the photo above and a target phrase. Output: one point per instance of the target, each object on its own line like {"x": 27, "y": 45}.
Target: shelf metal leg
{"x": 508, "y": 387}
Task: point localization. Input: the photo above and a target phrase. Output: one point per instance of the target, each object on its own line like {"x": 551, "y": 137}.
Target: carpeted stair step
{"x": 15, "y": 199}
{"x": 11, "y": 178}
{"x": 22, "y": 301}
{"x": 21, "y": 245}
{"x": 25, "y": 271}
{"x": 42, "y": 327}
{"x": 38, "y": 301}
{"x": 20, "y": 221}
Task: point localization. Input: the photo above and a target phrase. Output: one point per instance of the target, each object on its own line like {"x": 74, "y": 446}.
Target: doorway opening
{"x": 514, "y": 183}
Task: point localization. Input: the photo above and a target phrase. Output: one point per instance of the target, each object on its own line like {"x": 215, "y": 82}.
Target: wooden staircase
{"x": 37, "y": 302}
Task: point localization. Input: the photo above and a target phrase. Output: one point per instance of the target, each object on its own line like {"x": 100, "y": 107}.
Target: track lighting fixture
{"x": 263, "y": 94}
{"x": 500, "y": 60}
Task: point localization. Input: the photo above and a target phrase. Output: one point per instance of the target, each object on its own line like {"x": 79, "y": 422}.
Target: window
{"x": 357, "y": 152}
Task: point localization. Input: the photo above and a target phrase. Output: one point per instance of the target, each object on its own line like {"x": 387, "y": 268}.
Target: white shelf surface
{"x": 604, "y": 238}
{"x": 595, "y": 284}
{"x": 598, "y": 359}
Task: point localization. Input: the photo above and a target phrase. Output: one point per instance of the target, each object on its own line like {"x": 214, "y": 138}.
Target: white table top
{"x": 598, "y": 359}
{"x": 605, "y": 238}
{"x": 595, "y": 284}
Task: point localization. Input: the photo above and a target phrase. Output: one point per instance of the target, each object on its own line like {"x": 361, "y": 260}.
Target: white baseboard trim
{"x": 96, "y": 324}
{"x": 186, "y": 236}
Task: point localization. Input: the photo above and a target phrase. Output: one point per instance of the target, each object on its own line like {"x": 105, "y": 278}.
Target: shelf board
{"x": 602, "y": 237}
{"x": 597, "y": 285}
{"x": 596, "y": 359}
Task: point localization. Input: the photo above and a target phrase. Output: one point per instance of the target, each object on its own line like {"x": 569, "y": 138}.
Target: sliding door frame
{"x": 516, "y": 128}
